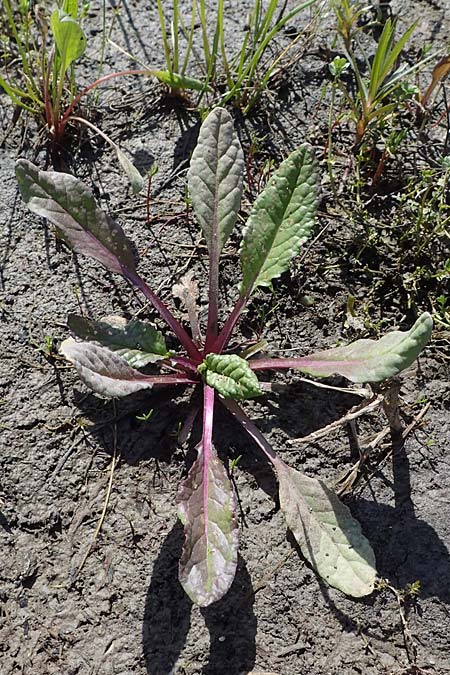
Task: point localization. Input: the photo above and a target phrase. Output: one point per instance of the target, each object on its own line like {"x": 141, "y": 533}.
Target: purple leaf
{"x": 108, "y": 374}
{"x": 70, "y": 205}
{"x": 206, "y": 508}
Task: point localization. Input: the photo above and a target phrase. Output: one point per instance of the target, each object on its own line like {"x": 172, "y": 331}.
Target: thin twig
{"x": 352, "y": 414}
{"x": 114, "y": 461}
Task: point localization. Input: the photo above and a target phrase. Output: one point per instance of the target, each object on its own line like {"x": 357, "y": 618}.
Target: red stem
{"x": 65, "y": 118}
{"x": 208, "y": 417}
{"x": 283, "y": 363}
{"x": 252, "y": 430}
{"x": 170, "y": 379}
{"x": 166, "y": 314}
{"x": 225, "y": 334}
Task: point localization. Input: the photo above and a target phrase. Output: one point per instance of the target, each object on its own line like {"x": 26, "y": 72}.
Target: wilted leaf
{"x": 440, "y": 71}
{"x": 206, "y": 508}
{"x": 70, "y": 205}
{"x": 363, "y": 360}
{"x": 103, "y": 371}
{"x": 280, "y": 221}
{"x": 108, "y": 374}
{"x": 69, "y": 38}
{"x": 328, "y": 535}
{"x": 187, "y": 291}
{"x": 215, "y": 178}
{"x": 230, "y": 375}
{"x": 136, "y": 342}
{"x": 135, "y": 178}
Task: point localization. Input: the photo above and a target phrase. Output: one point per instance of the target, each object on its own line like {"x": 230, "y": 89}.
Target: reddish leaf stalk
{"x": 206, "y": 445}
{"x": 65, "y": 118}
{"x": 284, "y": 363}
{"x": 166, "y": 314}
{"x": 252, "y": 430}
{"x": 228, "y": 327}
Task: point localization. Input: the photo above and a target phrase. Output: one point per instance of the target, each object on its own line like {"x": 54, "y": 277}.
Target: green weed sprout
{"x": 244, "y": 75}
{"x": 383, "y": 78}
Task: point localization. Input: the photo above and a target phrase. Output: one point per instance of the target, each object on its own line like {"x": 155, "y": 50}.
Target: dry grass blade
{"x": 114, "y": 461}
{"x": 187, "y": 292}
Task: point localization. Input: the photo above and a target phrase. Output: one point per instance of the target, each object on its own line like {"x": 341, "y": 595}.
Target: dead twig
{"x": 114, "y": 461}
{"x": 352, "y": 414}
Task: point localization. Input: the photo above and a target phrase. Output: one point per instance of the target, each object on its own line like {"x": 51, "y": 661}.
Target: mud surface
{"x": 72, "y": 604}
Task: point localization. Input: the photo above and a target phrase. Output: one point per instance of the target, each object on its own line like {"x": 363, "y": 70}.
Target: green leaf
{"x": 70, "y": 7}
{"x": 69, "y": 38}
{"x": 280, "y": 221}
{"x": 328, "y": 535}
{"x": 177, "y": 81}
{"x": 230, "y": 375}
{"x": 103, "y": 371}
{"x": 215, "y": 178}
{"x": 136, "y": 342}
{"x": 70, "y": 205}
{"x": 206, "y": 507}
{"x": 135, "y": 178}
{"x": 371, "y": 360}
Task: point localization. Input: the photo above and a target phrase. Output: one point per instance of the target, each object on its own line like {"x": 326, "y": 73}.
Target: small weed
{"x": 239, "y": 77}
{"x": 110, "y": 354}
{"x": 145, "y": 417}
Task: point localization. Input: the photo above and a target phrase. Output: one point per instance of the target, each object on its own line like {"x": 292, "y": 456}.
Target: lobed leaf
{"x": 328, "y": 535}
{"x": 206, "y": 506}
{"x": 280, "y": 221}
{"x": 215, "y": 178}
{"x": 136, "y": 342}
{"x": 371, "y": 360}
{"x": 70, "y": 205}
{"x": 103, "y": 371}
{"x": 230, "y": 375}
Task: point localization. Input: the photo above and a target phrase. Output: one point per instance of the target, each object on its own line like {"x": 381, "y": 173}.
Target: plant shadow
{"x": 167, "y": 617}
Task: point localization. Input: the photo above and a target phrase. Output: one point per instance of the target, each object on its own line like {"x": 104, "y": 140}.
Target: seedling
{"x": 112, "y": 352}
{"x": 379, "y": 89}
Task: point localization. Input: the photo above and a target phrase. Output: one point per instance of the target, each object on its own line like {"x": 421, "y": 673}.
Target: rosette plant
{"x": 111, "y": 355}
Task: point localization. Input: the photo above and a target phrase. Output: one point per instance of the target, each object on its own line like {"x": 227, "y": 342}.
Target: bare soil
{"x": 124, "y": 612}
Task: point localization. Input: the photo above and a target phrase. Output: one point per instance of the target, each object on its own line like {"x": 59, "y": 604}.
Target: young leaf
{"x": 206, "y": 508}
{"x": 363, "y": 360}
{"x": 69, "y": 38}
{"x": 177, "y": 81}
{"x": 109, "y": 375}
{"x": 230, "y": 375}
{"x": 136, "y": 342}
{"x": 135, "y": 178}
{"x": 70, "y": 205}
{"x": 280, "y": 221}
{"x": 328, "y": 535}
{"x": 215, "y": 178}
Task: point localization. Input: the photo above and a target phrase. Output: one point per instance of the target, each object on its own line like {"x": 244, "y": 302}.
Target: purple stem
{"x": 180, "y": 362}
{"x": 165, "y": 313}
{"x": 228, "y": 327}
{"x": 299, "y": 362}
{"x": 252, "y": 430}
{"x": 208, "y": 416}
{"x": 170, "y": 379}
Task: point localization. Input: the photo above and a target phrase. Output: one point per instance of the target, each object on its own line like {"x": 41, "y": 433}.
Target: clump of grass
{"x": 240, "y": 77}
